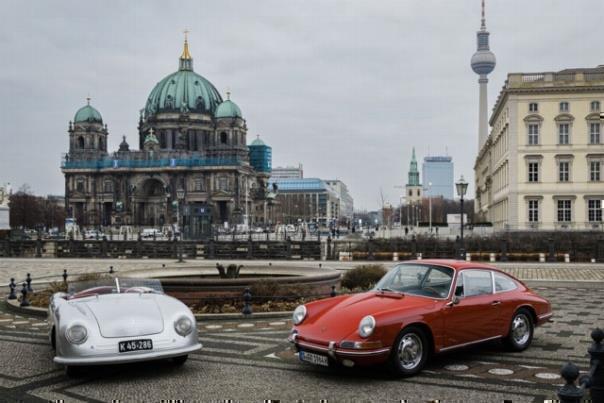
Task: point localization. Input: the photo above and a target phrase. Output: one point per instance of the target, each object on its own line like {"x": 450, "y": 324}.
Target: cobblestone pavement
{"x": 251, "y": 361}
{"x": 42, "y": 268}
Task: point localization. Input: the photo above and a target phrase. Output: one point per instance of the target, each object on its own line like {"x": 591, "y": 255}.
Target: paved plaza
{"x": 250, "y": 360}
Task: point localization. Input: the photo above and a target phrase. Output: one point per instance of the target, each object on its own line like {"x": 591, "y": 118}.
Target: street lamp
{"x": 462, "y": 187}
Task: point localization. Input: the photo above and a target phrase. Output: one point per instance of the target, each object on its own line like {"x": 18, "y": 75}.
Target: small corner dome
{"x": 87, "y": 114}
{"x": 257, "y": 142}
{"x": 228, "y": 109}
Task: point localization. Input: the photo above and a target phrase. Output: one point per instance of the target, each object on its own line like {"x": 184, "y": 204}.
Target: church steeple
{"x": 413, "y": 172}
{"x": 186, "y": 61}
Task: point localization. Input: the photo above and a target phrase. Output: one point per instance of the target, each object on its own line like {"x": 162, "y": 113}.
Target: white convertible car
{"x": 119, "y": 320}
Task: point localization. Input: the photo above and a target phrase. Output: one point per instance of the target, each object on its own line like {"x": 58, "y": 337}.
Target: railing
{"x": 564, "y": 77}
{"x": 159, "y": 163}
{"x": 527, "y": 78}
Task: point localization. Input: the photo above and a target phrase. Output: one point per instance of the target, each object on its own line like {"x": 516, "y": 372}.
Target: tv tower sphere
{"x": 483, "y": 62}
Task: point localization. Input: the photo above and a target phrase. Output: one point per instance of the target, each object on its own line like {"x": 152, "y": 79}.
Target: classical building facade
{"x": 541, "y": 167}
{"x": 193, "y": 166}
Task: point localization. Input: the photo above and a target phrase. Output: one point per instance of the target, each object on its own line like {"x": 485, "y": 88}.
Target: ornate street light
{"x": 462, "y": 187}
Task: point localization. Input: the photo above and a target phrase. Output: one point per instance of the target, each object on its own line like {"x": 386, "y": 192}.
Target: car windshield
{"x": 416, "y": 279}
{"x": 113, "y": 285}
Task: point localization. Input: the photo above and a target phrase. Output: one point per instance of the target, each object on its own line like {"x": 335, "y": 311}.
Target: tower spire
{"x": 483, "y": 25}
{"x": 186, "y": 61}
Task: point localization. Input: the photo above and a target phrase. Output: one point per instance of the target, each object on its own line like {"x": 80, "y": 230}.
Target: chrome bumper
{"x": 334, "y": 352}
{"x": 124, "y": 358}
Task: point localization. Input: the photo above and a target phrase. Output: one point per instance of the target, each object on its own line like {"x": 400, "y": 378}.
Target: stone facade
{"x": 192, "y": 169}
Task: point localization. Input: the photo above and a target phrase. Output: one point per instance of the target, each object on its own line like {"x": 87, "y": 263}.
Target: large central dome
{"x": 183, "y": 91}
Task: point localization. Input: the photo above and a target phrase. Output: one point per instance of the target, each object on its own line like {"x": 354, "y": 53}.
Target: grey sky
{"x": 345, "y": 87}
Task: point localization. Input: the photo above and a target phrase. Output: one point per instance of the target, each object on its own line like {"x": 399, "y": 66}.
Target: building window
{"x": 594, "y": 210}
{"x": 533, "y": 134}
{"x": 223, "y": 138}
{"x": 80, "y": 142}
{"x": 80, "y": 185}
{"x": 594, "y": 171}
{"x": 563, "y": 131}
{"x": 563, "y": 106}
{"x": 564, "y": 210}
{"x": 595, "y": 106}
{"x": 533, "y": 172}
{"x": 410, "y": 193}
{"x": 533, "y": 107}
{"x": 594, "y": 133}
{"x": 418, "y": 193}
{"x": 223, "y": 184}
{"x": 198, "y": 185}
{"x": 108, "y": 187}
{"x": 563, "y": 171}
{"x": 533, "y": 210}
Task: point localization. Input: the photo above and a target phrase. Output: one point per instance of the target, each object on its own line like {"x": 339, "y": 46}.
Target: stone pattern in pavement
{"x": 251, "y": 360}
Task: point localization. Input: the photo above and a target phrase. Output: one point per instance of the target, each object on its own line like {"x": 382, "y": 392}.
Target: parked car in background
{"x": 119, "y": 320}
{"x": 93, "y": 234}
{"x": 151, "y": 233}
{"x": 419, "y": 308}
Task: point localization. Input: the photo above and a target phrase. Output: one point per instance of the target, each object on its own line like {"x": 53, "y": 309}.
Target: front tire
{"x": 409, "y": 352}
{"x": 521, "y": 331}
{"x": 179, "y": 361}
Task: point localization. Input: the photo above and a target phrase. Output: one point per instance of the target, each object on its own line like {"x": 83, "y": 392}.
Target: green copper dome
{"x": 183, "y": 91}
{"x": 257, "y": 142}
{"x": 228, "y": 109}
{"x": 87, "y": 114}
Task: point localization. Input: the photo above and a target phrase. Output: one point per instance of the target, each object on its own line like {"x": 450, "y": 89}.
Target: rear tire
{"x": 179, "y": 361}
{"x": 521, "y": 331}
{"x": 409, "y": 352}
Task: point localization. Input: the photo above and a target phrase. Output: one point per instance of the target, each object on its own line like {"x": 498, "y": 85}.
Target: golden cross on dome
{"x": 185, "y": 52}
{"x": 88, "y": 100}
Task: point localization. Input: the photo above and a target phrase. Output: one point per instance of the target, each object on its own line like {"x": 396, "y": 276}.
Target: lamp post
{"x": 462, "y": 187}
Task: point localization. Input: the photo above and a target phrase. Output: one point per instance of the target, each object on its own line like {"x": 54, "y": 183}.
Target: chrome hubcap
{"x": 521, "y": 329}
{"x": 410, "y": 351}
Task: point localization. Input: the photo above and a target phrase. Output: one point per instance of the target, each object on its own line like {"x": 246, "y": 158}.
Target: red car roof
{"x": 455, "y": 264}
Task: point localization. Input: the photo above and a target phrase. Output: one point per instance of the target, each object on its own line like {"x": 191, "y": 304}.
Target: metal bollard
{"x": 28, "y": 281}
{"x": 12, "y": 287}
{"x": 247, "y": 302}
{"x": 333, "y": 291}
{"x": 65, "y": 276}
{"x": 111, "y": 271}
{"x": 24, "y": 301}
{"x": 570, "y": 393}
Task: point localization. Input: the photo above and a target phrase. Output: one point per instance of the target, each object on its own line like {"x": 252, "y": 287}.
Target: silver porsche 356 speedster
{"x": 119, "y": 320}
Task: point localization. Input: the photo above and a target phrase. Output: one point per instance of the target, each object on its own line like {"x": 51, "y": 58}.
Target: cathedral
{"x": 193, "y": 167}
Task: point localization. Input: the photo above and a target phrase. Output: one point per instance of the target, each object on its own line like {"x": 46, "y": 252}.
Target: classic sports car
{"x": 119, "y": 320}
{"x": 416, "y": 309}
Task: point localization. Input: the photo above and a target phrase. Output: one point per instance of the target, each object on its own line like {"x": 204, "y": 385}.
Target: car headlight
{"x": 76, "y": 334}
{"x": 183, "y": 326}
{"x": 299, "y": 314}
{"x": 366, "y": 326}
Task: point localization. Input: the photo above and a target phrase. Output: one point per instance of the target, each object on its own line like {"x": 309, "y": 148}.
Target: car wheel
{"x": 180, "y": 360}
{"x": 521, "y": 331}
{"x": 409, "y": 352}
{"x": 53, "y": 338}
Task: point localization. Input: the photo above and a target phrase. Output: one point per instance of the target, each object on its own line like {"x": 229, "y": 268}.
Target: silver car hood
{"x": 126, "y": 315}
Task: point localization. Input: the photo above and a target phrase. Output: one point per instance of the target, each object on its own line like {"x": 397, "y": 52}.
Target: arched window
{"x": 224, "y": 138}
{"x": 80, "y": 142}
{"x": 101, "y": 146}
{"x": 162, "y": 139}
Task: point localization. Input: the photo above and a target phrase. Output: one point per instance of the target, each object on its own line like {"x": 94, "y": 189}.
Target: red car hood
{"x": 342, "y": 320}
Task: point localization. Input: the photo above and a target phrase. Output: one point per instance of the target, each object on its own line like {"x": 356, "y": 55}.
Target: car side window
{"x": 459, "y": 285}
{"x": 504, "y": 283}
{"x": 477, "y": 282}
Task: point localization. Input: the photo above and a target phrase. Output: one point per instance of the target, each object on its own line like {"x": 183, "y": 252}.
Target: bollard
{"x": 24, "y": 301}
{"x": 566, "y": 258}
{"x": 570, "y": 393}
{"x": 12, "y": 287}
{"x": 247, "y": 302}
{"x": 596, "y": 372}
{"x": 418, "y": 256}
{"x": 28, "y": 281}
{"x": 333, "y": 291}
{"x": 492, "y": 257}
{"x": 542, "y": 258}
{"x": 65, "y": 276}
{"x": 395, "y": 257}
{"x": 551, "y": 253}
{"x": 468, "y": 257}
{"x": 504, "y": 250}
{"x": 111, "y": 271}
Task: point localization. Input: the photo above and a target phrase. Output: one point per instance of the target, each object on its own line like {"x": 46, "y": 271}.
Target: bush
{"x": 363, "y": 277}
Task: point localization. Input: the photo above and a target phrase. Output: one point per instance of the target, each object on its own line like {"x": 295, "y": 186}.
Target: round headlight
{"x": 76, "y": 334}
{"x": 366, "y": 326}
{"x": 183, "y": 326}
{"x": 299, "y": 314}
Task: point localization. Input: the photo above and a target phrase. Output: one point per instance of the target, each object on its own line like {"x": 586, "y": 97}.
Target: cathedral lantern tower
{"x": 483, "y": 63}
{"x": 87, "y": 134}
{"x": 230, "y": 135}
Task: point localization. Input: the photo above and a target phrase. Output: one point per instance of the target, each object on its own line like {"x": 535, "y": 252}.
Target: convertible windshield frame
{"x": 118, "y": 285}
{"x": 385, "y": 282}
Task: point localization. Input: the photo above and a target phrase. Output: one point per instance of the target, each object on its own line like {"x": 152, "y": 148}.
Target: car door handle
{"x": 495, "y": 302}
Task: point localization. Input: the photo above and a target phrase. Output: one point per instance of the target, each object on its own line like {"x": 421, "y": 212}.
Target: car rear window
{"x": 504, "y": 283}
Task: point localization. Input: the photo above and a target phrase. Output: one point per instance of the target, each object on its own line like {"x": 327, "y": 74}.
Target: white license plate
{"x": 313, "y": 358}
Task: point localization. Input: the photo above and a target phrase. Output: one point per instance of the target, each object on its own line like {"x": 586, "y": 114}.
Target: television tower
{"x": 483, "y": 63}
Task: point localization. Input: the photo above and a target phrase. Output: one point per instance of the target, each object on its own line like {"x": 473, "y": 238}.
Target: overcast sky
{"x": 344, "y": 87}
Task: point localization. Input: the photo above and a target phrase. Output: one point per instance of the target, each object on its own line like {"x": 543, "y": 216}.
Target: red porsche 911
{"x": 419, "y": 308}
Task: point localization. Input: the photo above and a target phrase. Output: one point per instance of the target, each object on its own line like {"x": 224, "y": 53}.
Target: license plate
{"x": 313, "y": 358}
{"x": 135, "y": 345}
